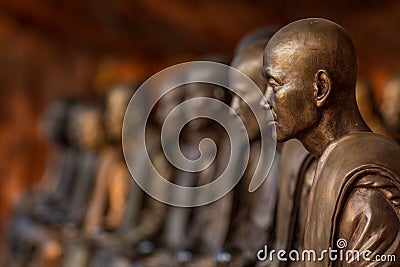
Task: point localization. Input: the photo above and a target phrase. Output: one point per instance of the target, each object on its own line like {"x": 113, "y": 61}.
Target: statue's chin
{"x": 281, "y": 137}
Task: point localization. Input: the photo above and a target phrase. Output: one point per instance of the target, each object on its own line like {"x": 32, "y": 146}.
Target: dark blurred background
{"x": 52, "y": 49}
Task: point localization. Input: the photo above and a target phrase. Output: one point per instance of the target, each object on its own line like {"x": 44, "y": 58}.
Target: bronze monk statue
{"x": 106, "y": 198}
{"x": 87, "y": 134}
{"x": 164, "y": 244}
{"x": 70, "y": 183}
{"x": 86, "y": 131}
{"x": 192, "y": 236}
{"x": 107, "y": 204}
{"x": 253, "y": 215}
{"x": 143, "y": 216}
{"x": 29, "y": 237}
{"x": 311, "y": 69}
{"x": 113, "y": 183}
{"x": 369, "y": 110}
{"x": 390, "y": 109}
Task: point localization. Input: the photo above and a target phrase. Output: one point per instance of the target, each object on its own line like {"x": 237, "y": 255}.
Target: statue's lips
{"x": 273, "y": 114}
{"x": 274, "y": 121}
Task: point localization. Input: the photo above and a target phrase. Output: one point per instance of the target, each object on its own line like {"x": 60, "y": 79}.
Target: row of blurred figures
{"x": 88, "y": 211}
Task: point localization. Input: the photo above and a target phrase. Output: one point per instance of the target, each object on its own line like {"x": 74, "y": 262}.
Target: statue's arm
{"x": 371, "y": 222}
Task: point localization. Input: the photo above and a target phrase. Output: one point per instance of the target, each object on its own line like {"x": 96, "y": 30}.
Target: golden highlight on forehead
{"x": 308, "y": 35}
{"x": 314, "y": 44}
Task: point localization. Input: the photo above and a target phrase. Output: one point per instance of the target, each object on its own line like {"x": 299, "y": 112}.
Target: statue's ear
{"x": 322, "y": 87}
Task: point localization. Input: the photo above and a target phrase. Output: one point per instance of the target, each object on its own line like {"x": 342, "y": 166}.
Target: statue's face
{"x": 116, "y": 104}
{"x": 251, "y": 66}
{"x": 90, "y": 132}
{"x": 289, "y": 90}
{"x": 54, "y": 123}
{"x": 390, "y": 108}
{"x": 244, "y": 111}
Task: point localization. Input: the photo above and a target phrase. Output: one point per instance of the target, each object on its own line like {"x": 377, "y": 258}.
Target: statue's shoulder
{"x": 366, "y": 171}
{"x": 362, "y": 144}
{"x": 358, "y": 160}
{"x": 361, "y": 153}
{"x": 362, "y": 169}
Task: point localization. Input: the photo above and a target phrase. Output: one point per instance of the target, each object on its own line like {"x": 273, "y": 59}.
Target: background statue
{"x": 369, "y": 110}
{"x": 253, "y": 214}
{"x": 390, "y": 108}
{"x": 192, "y": 236}
{"x": 27, "y": 231}
{"x": 58, "y": 212}
{"x": 87, "y": 132}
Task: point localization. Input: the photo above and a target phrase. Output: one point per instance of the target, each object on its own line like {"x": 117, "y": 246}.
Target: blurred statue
{"x": 138, "y": 232}
{"x": 106, "y": 204}
{"x": 208, "y": 228}
{"x": 53, "y": 208}
{"x": 311, "y": 69}
{"x": 253, "y": 217}
{"x": 390, "y": 108}
{"x": 28, "y": 233}
{"x": 86, "y": 132}
{"x": 192, "y": 236}
{"x": 62, "y": 205}
{"x": 369, "y": 111}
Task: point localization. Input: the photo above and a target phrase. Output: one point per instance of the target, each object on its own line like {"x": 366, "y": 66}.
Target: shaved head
{"x": 314, "y": 44}
{"x": 310, "y": 67}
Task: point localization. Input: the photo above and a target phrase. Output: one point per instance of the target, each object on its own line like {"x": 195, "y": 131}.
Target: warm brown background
{"x": 50, "y": 49}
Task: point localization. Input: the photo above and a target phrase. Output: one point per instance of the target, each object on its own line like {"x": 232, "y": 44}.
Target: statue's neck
{"x": 332, "y": 126}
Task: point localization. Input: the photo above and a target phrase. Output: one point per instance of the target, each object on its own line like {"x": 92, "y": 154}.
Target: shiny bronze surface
{"x": 310, "y": 67}
{"x": 312, "y": 98}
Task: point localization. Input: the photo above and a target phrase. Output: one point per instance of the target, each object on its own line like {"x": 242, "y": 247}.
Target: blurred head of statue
{"x": 310, "y": 67}
{"x": 390, "y": 106}
{"x": 200, "y": 92}
{"x": 368, "y": 109}
{"x": 116, "y": 102}
{"x": 248, "y": 59}
{"x": 85, "y": 128}
{"x": 365, "y": 100}
{"x": 55, "y": 120}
